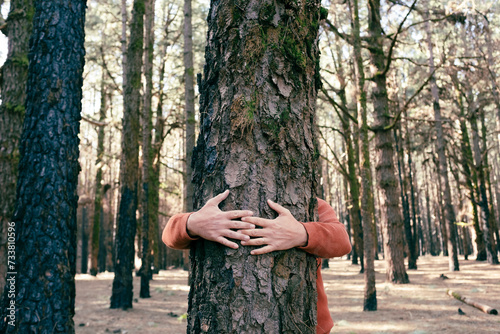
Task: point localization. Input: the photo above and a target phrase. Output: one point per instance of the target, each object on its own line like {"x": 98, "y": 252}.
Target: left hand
{"x": 283, "y": 232}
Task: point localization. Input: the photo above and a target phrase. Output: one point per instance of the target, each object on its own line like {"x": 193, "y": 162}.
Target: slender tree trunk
{"x": 44, "y": 222}
{"x": 97, "y": 222}
{"x": 390, "y": 205}
{"x": 14, "y": 74}
{"x": 412, "y": 257}
{"x": 257, "y": 138}
{"x": 491, "y": 254}
{"x": 122, "y": 293}
{"x": 145, "y": 270}
{"x": 430, "y": 229}
{"x": 367, "y": 201}
{"x": 85, "y": 240}
{"x": 442, "y": 163}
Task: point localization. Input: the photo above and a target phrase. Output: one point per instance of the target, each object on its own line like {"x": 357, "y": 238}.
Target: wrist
{"x": 189, "y": 226}
{"x": 303, "y": 237}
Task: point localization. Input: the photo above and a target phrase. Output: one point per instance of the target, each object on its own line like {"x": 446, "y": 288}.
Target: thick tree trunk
{"x": 367, "y": 201}
{"x": 257, "y": 138}
{"x": 147, "y": 126}
{"x": 14, "y": 74}
{"x": 386, "y": 174}
{"x": 44, "y": 222}
{"x": 122, "y": 293}
{"x": 442, "y": 163}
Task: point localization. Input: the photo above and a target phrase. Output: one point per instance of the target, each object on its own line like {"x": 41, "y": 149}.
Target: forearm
{"x": 175, "y": 232}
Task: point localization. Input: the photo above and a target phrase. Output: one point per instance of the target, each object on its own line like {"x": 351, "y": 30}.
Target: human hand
{"x": 283, "y": 232}
{"x": 211, "y": 223}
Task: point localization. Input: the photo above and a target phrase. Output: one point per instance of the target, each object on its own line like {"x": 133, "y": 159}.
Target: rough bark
{"x": 44, "y": 221}
{"x": 257, "y": 124}
{"x": 442, "y": 163}
{"x": 14, "y": 74}
{"x": 147, "y": 126}
{"x": 391, "y": 218}
{"x": 122, "y": 292}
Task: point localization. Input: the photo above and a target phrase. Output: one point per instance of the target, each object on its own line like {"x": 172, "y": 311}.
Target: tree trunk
{"x": 410, "y": 236}
{"x": 257, "y": 138}
{"x": 14, "y": 74}
{"x": 145, "y": 270}
{"x": 122, "y": 293}
{"x": 44, "y": 222}
{"x": 442, "y": 163}
{"x": 491, "y": 254}
{"x": 97, "y": 223}
{"x": 189, "y": 106}
{"x": 367, "y": 201}
{"x": 470, "y": 174}
{"x": 390, "y": 205}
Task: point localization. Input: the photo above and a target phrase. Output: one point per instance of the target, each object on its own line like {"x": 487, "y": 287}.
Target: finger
{"x": 256, "y": 232}
{"x": 215, "y": 201}
{"x": 263, "y": 250}
{"x": 236, "y": 235}
{"x": 235, "y": 214}
{"x": 257, "y": 221}
{"x": 227, "y": 243}
{"x": 237, "y": 225}
{"x": 278, "y": 208}
{"x": 255, "y": 242}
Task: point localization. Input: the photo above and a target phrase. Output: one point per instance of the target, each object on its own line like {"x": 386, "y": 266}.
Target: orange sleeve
{"x": 327, "y": 238}
{"x": 175, "y": 232}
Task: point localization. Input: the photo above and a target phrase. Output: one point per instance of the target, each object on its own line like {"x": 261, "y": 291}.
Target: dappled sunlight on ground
{"x": 422, "y": 307}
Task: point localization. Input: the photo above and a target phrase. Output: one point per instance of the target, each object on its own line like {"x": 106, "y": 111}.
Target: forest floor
{"x": 418, "y": 308}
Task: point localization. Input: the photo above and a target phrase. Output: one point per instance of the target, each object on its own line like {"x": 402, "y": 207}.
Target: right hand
{"x": 211, "y": 223}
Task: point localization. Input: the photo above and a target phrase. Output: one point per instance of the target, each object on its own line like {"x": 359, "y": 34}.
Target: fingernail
{"x": 270, "y": 201}
{"x": 250, "y": 213}
{"x": 243, "y": 219}
{"x": 252, "y": 226}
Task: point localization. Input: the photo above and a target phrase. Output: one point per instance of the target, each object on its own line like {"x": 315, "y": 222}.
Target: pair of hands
{"x": 210, "y": 223}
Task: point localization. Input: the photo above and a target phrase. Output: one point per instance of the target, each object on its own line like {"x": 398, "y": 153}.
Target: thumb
{"x": 278, "y": 208}
{"x": 215, "y": 201}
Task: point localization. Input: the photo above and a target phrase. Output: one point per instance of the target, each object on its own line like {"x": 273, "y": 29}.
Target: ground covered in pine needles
{"x": 418, "y": 308}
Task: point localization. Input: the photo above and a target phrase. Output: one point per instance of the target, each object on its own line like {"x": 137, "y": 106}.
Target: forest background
{"x": 441, "y": 118}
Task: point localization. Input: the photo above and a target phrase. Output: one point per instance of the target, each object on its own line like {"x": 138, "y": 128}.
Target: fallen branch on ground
{"x": 468, "y": 301}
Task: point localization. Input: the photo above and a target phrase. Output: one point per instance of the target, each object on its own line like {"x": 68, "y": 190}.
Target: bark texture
{"x": 391, "y": 218}
{"x": 46, "y": 202}
{"x": 146, "y": 152}
{"x": 122, "y": 292}
{"x": 257, "y": 107}
{"x": 14, "y": 74}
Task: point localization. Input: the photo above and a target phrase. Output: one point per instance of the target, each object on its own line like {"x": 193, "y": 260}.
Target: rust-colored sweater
{"x": 326, "y": 239}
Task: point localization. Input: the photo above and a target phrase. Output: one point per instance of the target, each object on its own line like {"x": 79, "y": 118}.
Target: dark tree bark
{"x": 386, "y": 174}
{"x": 147, "y": 126}
{"x": 46, "y": 203}
{"x": 122, "y": 293}
{"x": 14, "y": 74}
{"x": 257, "y": 125}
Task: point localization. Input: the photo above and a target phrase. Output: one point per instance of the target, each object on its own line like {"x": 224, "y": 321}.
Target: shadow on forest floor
{"x": 422, "y": 307}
